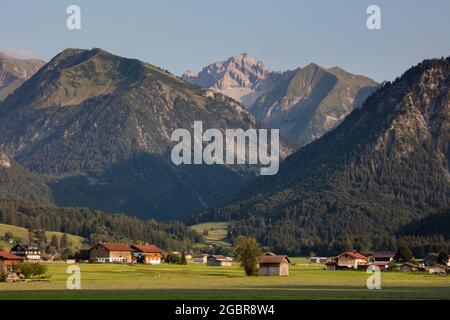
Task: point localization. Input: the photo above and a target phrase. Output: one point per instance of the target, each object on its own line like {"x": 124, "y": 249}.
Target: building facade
{"x": 110, "y": 253}
{"x": 147, "y": 253}
{"x": 30, "y": 253}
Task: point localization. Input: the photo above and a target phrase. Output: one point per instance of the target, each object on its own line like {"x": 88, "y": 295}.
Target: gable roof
{"x": 383, "y": 254}
{"x": 115, "y": 246}
{"x": 26, "y": 247}
{"x": 273, "y": 259}
{"x": 354, "y": 255}
{"x": 146, "y": 248}
{"x": 9, "y": 256}
{"x": 219, "y": 258}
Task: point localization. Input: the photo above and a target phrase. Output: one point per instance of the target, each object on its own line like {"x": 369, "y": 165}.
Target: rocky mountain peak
{"x": 240, "y": 77}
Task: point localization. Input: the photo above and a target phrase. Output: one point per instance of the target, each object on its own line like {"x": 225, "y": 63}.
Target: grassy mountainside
{"x": 385, "y": 166}
{"x": 76, "y": 242}
{"x": 312, "y": 101}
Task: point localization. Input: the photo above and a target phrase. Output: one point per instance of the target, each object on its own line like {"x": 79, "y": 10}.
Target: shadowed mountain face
{"x": 384, "y": 166}
{"x": 102, "y": 125}
{"x": 312, "y": 101}
{"x": 13, "y": 72}
{"x": 241, "y": 78}
{"x": 16, "y": 181}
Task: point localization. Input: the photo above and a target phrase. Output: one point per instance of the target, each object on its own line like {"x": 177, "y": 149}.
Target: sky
{"x": 180, "y": 35}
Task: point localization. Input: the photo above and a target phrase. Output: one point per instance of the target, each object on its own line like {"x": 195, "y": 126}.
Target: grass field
{"x": 217, "y": 232}
{"x": 76, "y": 242}
{"x": 195, "y": 282}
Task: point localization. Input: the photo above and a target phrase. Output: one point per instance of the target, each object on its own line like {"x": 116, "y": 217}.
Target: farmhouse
{"x": 351, "y": 259}
{"x": 217, "y": 260}
{"x": 9, "y": 262}
{"x": 147, "y": 253}
{"x": 110, "y": 252}
{"x": 200, "y": 258}
{"x": 270, "y": 265}
{"x": 30, "y": 252}
{"x": 381, "y": 259}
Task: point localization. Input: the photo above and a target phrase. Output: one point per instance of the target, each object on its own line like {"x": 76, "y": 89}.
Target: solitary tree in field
{"x": 443, "y": 257}
{"x": 247, "y": 252}
{"x": 403, "y": 254}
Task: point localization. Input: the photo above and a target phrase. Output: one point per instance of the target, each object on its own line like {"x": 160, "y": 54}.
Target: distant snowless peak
{"x": 19, "y": 53}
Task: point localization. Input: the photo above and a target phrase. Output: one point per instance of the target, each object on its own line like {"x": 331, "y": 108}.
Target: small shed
{"x": 439, "y": 269}
{"x": 272, "y": 265}
{"x": 331, "y": 266}
{"x": 200, "y": 258}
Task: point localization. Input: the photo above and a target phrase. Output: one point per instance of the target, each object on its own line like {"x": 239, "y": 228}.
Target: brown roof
{"x": 220, "y": 258}
{"x": 9, "y": 256}
{"x": 383, "y": 254}
{"x": 115, "y": 246}
{"x": 273, "y": 259}
{"x": 146, "y": 248}
{"x": 354, "y": 255}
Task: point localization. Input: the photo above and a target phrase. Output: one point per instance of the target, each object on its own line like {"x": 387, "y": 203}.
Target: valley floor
{"x": 196, "y": 282}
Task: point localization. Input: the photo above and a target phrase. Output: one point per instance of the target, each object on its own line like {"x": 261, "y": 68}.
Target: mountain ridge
{"x": 383, "y": 167}
{"x": 102, "y": 125}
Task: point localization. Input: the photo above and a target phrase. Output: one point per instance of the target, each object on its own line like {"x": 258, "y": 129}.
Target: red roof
{"x": 9, "y": 256}
{"x": 146, "y": 248}
{"x": 273, "y": 259}
{"x": 115, "y": 246}
{"x": 354, "y": 255}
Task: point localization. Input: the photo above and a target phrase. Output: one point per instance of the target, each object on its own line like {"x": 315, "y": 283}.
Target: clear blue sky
{"x": 188, "y": 34}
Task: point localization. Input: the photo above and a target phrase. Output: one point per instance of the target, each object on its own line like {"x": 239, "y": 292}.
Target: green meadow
{"x": 200, "y": 282}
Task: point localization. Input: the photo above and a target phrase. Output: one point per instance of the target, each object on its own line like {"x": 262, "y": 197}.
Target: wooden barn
{"x": 273, "y": 265}
{"x": 147, "y": 253}
{"x": 110, "y": 252}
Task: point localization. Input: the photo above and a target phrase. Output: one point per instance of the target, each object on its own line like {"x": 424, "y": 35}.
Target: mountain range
{"x": 92, "y": 129}
{"x": 99, "y": 126}
{"x": 304, "y": 103}
{"x": 386, "y": 166}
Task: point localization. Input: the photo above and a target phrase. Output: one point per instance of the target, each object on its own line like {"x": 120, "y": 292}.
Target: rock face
{"x": 241, "y": 77}
{"x": 384, "y": 166}
{"x": 13, "y": 72}
{"x": 103, "y": 123}
{"x": 5, "y": 162}
{"x": 312, "y": 101}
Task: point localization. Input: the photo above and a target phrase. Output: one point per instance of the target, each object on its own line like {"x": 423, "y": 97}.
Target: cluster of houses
{"x": 355, "y": 260}
{"x": 10, "y": 261}
{"x": 269, "y": 264}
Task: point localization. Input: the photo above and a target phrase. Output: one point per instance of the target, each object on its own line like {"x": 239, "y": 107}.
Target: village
{"x": 269, "y": 264}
